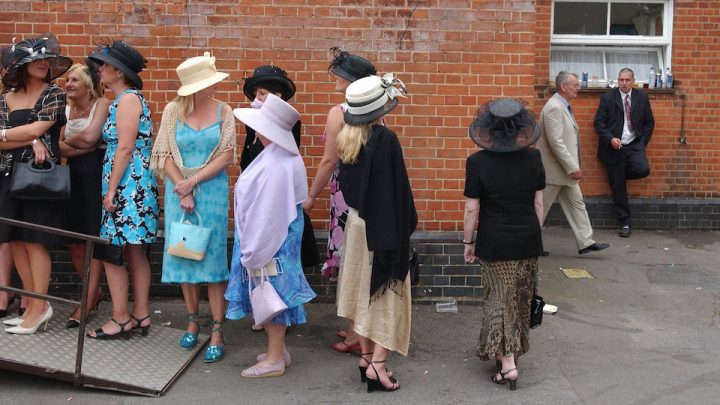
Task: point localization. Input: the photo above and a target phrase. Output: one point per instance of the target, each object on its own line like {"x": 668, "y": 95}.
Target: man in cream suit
{"x": 560, "y": 152}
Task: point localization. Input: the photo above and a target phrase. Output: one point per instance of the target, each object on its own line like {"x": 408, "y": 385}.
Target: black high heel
{"x": 363, "y": 370}
{"x": 101, "y": 335}
{"x": 144, "y": 330}
{"x": 377, "y": 385}
{"x": 3, "y": 312}
{"x": 503, "y": 379}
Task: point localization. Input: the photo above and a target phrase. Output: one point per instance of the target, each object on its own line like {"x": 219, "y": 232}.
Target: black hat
{"x": 504, "y": 125}
{"x": 29, "y": 50}
{"x": 350, "y": 67}
{"x": 124, "y": 58}
{"x": 372, "y": 97}
{"x": 265, "y": 74}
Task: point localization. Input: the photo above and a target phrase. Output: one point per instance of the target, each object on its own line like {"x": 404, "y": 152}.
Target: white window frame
{"x": 661, "y": 44}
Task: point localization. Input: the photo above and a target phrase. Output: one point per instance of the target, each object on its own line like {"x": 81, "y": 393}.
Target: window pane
{"x": 590, "y": 61}
{"x": 580, "y": 18}
{"x": 636, "y": 19}
{"x": 638, "y": 61}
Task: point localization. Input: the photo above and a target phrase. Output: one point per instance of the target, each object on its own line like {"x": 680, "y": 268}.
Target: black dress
{"x": 50, "y": 107}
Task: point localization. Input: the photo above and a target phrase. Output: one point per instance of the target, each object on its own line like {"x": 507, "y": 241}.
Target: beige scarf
{"x": 165, "y": 144}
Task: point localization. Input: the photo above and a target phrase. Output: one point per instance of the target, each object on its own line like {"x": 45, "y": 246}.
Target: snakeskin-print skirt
{"x": 505, "y": 323}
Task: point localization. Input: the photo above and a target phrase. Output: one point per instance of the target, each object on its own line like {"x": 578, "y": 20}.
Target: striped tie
{"x": 628, "y": 113}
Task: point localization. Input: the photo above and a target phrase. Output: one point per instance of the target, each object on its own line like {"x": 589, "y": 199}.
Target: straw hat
{"x": 29, "y": 50}
{"x": 372, "y": 97}
{"x": 504, "y": 125}
{"x": 274, "y": 120}
{"x": 198, "y": 73}
{"x": 122, "y": 57}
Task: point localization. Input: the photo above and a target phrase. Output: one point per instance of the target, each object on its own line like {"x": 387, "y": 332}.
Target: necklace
{"x": 81, "y": 113}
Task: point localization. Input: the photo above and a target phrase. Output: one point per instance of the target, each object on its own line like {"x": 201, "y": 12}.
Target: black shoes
{"x": 594, "y": 248}
{"x": 624, "y": 232}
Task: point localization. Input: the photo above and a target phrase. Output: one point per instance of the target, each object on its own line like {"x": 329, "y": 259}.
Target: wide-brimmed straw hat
{"x": 198, "y": 73}
{"x": 122, "y": 57}
{"x": 350, "y": 67}
{"x": 274, "y": 120}
{"x": 504, "y": 125}
{"x": 29, "y": 50}
{"x": 269, "y": 74}
{"x": 372, "y": 97}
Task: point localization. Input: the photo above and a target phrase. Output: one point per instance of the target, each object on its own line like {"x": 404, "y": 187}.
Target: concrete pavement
{"x": 645, "y": 330}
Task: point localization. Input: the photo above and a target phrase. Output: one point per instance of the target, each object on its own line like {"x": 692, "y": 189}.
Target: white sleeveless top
{"x": 74, "y": 127}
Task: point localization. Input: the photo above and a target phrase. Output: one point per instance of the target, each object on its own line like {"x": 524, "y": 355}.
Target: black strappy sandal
{"x": 101, "y": 335}
{"x": 377, "y": 385}
{"x": 144, "y": 330}
{"x": 503, "y": 379}
{"x": 363, "y": 370}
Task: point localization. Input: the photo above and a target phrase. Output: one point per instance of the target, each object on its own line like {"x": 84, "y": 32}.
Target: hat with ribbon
{"x": 372, "y": 97}
{"x": 198, "y": 73}
{"x": 269, "y": 75}
{"x": 350, "y": 67}
{"x": 274, "y": 120}
{"x": 122, "y": 57}
{"x": 504, "y": 125}
{"x": 30, "y": 50}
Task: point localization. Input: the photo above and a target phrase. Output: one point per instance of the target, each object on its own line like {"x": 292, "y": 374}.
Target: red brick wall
{"x": 454, "y": 55}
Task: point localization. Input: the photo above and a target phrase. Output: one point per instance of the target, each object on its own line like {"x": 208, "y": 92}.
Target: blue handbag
{"x": 188, "y": 240}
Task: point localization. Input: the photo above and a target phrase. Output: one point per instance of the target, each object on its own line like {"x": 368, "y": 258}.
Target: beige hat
{"x": 198, "y": 73}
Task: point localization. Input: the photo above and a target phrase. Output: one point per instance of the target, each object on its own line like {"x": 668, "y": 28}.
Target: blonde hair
{"x": 83, "y": 73}
{"x": 186, "y": 104}
{"x": 350, "y": 140}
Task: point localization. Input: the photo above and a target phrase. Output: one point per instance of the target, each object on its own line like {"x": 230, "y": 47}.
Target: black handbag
{"x": 49, "y": 181}
{"x": 536, "y": 311}
{"x": 111, "y": 253}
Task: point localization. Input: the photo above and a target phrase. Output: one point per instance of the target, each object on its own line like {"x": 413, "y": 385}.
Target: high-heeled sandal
{"x": 216, "y": 353}
{"x": 363, "y": 377}
{"x": 73, "y": 322}
{"x": 3, "y": 312}
{"x": 144, "y": 330}
{"x": 100, "y": 334}
{"x": 503, "y": 379}
{"x": 342, "y": 347}
{"x": 190, "y": 340}
{"x": 377, "y": 385}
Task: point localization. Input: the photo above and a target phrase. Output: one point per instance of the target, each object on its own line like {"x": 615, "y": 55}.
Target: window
{"x": 602, "y": 37}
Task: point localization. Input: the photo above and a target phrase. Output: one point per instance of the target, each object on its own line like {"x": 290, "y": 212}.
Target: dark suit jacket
{"x": 609, "y": 121}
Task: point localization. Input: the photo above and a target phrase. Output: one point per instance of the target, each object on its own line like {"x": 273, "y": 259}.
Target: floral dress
{"x": 135, "y": 220}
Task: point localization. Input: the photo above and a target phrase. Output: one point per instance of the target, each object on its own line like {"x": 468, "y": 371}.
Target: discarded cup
{"x": 446, "y": 306}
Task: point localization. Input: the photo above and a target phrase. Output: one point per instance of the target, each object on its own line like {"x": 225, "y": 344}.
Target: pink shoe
{"x": 285, "y": 356}
{"x": 273, "y": 370}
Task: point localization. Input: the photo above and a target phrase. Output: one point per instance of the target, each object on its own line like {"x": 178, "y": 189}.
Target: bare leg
{"x": 352, "y": 337}
{"x": 140, "y": 268}
{"x": 22, "y": 265}
{"x": 276, "y": 343}
{"x": 216, "y": 297}
{"x": 367, "y": 346}
{"x": 508, "y": 368}
{"x": 377, "y": 369}
{"x": 191, "y": 294}
{"x": 39, "y": 261}
{"x": 6, "y": 265}
{"x": 117, "y": 279}
{"x": 77, "y": 253}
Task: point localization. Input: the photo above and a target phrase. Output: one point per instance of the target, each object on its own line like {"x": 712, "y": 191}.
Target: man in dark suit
{"x": 624, "y": 123}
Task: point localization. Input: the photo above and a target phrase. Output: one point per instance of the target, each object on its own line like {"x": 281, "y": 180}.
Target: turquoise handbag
{"x": 188, "y": 240}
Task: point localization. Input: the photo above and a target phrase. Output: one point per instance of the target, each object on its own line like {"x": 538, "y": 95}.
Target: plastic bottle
{"x": 651, "y": 78}
{"x": 669, "y": 79}
{"x": 658, "y": 80}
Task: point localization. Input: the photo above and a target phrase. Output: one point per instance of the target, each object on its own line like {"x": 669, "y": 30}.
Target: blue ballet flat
{"x": 214, "y": 353}
{"x": 190, "y": 340}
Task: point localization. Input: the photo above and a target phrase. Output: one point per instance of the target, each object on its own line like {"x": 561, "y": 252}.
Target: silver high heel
{"x": 19, "y": 330}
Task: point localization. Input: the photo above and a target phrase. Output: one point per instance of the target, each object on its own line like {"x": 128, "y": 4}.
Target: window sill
{"x": 547, "y": 89}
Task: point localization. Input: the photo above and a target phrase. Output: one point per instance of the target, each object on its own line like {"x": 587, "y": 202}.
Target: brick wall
{"x": 454, "y": 55}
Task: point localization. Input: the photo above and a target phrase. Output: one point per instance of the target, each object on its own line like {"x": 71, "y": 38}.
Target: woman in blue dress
{"x": 129, "y": 188}
{"x": 194, "y": 146}
{"x": 268, "y": 229}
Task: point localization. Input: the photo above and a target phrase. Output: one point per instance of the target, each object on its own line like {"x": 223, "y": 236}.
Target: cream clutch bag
{"x": 271, "y": 268}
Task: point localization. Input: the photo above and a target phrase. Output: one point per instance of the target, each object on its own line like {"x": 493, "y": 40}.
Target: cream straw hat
{"x": 198, "y": 73}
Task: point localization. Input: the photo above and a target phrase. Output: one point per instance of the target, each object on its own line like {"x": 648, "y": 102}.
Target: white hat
{"x": 372, "y": 97}
{"x": 198, "y": 73}
{"x": 274, "y": 120}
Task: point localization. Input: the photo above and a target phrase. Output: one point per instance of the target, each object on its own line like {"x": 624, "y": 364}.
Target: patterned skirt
{"x": 505, "y": 322}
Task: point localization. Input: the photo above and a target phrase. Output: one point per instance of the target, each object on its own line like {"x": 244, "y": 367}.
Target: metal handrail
{"x": 90, "y": 242}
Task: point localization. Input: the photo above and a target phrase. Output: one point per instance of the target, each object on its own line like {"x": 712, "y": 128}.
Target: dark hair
{"x": 270, "y": 86}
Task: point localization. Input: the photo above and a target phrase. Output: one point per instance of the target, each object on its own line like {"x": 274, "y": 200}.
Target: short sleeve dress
{"x": 50, "y": 106}
{"x": 135, "y": 220}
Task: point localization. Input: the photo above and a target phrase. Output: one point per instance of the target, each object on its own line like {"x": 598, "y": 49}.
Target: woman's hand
{"x": 109, "y": 201}
{"x": 188, "y": 203}
{"x": 470, "y": 253}
{"x": 184, "y": 187}
{"x": 308, "y": 203}
{"x": 40, "y": 151}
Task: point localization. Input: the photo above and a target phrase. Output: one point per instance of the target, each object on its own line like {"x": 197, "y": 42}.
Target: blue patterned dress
{"x": 291, "y": 284}
{"x": 135, "y": 219}
{"x": 211, "y": 202}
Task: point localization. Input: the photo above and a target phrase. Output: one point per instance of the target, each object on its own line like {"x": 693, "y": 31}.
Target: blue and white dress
{"x": 135, "y": 219}
{"x": 211, "y": 202}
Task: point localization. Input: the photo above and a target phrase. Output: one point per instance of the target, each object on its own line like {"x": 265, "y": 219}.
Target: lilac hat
{"x": 274, "y": 120}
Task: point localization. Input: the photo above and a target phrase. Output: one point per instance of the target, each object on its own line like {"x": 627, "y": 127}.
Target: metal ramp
{"x": 140, "y": 365}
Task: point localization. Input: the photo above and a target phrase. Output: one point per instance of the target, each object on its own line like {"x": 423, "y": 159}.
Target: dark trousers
{"x": 632, "y": 164}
